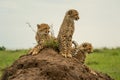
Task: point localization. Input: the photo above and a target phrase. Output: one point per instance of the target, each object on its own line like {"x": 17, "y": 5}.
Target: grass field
{"x": 103, "y": 60}
{"x": 8, "y": 57}
{"x": 106, "y": 61}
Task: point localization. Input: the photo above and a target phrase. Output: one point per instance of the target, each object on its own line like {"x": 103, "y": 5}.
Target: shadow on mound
{"x": 49, "y": 65}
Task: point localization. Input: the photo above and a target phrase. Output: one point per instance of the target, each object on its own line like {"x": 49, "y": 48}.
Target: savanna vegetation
{"x": 103, "y": 60}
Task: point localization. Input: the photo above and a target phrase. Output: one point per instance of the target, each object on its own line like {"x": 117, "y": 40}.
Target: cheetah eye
{"x": 76, "y": 15}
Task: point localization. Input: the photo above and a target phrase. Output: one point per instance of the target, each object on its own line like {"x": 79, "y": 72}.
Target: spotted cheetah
{"x": 42, "y": 35}
{"x": 79, "y": 52}
{"x": 66, "y": 32}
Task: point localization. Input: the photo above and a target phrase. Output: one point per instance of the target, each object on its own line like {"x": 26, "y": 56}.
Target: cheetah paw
{"x": 69, "y": 55}
{"x": 64, "y": 55}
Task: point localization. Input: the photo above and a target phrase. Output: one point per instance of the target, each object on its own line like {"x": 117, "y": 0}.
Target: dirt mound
{"x": 49, "y": 65}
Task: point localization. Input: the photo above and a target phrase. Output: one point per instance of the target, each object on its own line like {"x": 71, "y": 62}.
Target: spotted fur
{"x": 81, "y": 51}
{"x": 66, "y": 32}
{"x": 42, "y": 35}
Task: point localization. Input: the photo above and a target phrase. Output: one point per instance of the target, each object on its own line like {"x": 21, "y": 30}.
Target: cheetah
{"x": 42, "y": 35}
{"x": 79, "y": 52}
{"x": 66, "y": 32}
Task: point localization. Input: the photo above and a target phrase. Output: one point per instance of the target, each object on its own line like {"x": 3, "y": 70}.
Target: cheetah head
{"x": 86, "y": 47}
{"x": 73, "y": 14}
{"x": 43, "y": 28}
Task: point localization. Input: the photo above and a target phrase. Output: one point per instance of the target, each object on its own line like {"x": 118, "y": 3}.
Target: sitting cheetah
{"x": 66, "y": 33}
{"x": 81, "y": 51}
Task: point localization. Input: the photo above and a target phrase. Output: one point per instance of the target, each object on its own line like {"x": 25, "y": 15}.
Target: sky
{"x": 99, "y": 21}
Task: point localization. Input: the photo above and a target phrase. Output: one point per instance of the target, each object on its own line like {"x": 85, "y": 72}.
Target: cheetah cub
{"x": 66, "y": 32}
{"x": 42, "y": 35}
{"x": 81, "y": 51}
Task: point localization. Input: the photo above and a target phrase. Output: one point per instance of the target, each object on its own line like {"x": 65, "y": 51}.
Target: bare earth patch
{"x": 49, "y": 65}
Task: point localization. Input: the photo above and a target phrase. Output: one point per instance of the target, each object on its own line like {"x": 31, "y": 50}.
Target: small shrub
{"x": 51, "y": 43}
{"x": 2, "y": 48}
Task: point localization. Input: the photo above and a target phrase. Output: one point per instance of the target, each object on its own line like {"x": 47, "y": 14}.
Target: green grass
{"x": 106, "y": 61}
{"x": 52, "y": 43}
{"x": 8, "y": 57}
{"x": 102, "y": 60}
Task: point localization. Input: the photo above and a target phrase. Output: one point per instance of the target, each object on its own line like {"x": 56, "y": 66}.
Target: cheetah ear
{"x": 69, "y": 12}
{"x": 38, "y": 25}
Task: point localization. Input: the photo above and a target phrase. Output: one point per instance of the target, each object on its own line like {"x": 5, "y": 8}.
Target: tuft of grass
{"x": 51, "y": 43}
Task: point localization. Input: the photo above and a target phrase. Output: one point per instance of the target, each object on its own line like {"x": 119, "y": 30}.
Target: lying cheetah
{"x": 42, "y": 35}
{"x": 81, "y": 51}
{"x": 66, "y": 33}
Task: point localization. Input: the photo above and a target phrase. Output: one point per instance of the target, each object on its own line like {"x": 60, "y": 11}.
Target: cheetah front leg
{"x": 64, "y": 47}
{"x": 69, "y": 48}
{"x": 63, "y": 50}
{"x": 35, "y": 50}
{"x": 66, "y": 50}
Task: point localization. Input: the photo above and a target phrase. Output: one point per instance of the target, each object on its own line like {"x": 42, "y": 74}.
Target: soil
{"x": 49, "y": 65}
